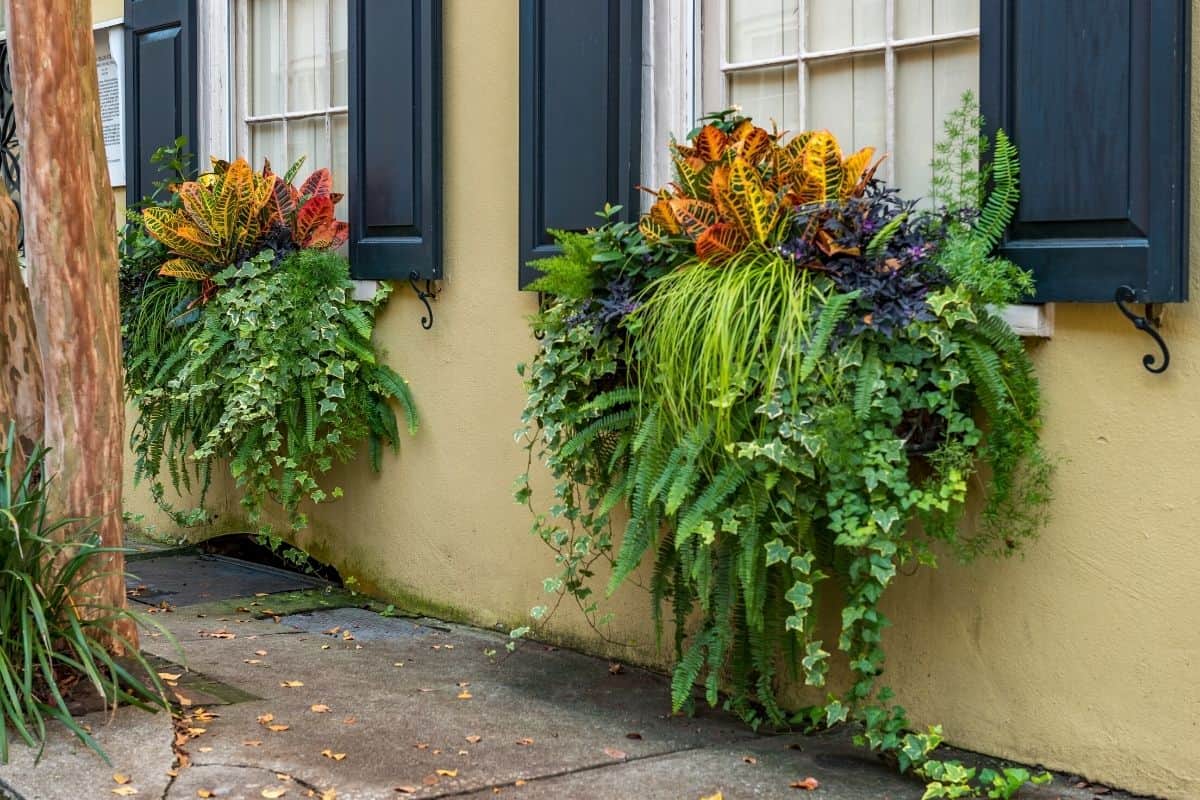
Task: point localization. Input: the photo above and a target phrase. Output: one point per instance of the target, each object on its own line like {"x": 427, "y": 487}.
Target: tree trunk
{"x": 70, "y": 243}
{"x": 21, "y": 390}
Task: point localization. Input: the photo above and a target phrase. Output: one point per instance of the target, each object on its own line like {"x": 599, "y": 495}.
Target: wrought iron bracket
{"x": 430, "y": 292}
{"x": 1148, "y": 323}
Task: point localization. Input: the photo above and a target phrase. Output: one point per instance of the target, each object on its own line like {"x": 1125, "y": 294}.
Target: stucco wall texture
{"x": 1080, "y": 655}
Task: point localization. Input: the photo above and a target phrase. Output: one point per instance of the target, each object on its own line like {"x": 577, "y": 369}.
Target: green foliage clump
{"x": 52, "y": 638}
{"x": 806, "y": 407}
{"x": 277, "y": 377}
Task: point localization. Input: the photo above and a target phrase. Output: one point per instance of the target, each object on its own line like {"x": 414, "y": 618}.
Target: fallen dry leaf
{"x": 186, "y": 702}
{"x": 335, "y": 756}
{"x": 429, "y": 780}
{"x": 717, "y": 796}
{"x": 407, "y": 789}
{"x": 278, "y": 728}
{"x": 808, "y": 784}
{"x": 120, "y": 779}
{"x": 220, "y": 634}
{"x": 263, "y": 719}
{"x": 613, "y": 752}
{"x": 422, "y": 745}
{"x": 633, "y": 735}
{"x": 347, "y": 636}
{"x": 332, "y": 631}
{"x": 349, "y": 721}
{"x": 251, "y": 660}
{"x": 448, "y": 773}
{"x": 465, "y": 695}
{"x": 474, "y": 738}
{"x": 319, "y": 708}
{"x": 124, "y": 791}
{"x": 260, "y": 652}
{"x": 170, "y": 676}
{"x": 750, "y": 759}
{"x": 205, "y": 793}
{"x": 291, "y": 684}
{"x": 615, "y": 668}
{"x": 524, "y": 741}
{"x": 252, "y": 743}
{"x": 519, "y": 782}
{"x": 277, "y": 791}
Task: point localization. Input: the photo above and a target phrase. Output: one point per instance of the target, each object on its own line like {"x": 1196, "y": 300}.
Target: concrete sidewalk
{"x": 292, "y": 694}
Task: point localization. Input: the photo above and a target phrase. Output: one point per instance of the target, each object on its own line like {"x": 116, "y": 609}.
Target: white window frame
{"x": 681, "y": 66}
{"x": 242, "y": 86}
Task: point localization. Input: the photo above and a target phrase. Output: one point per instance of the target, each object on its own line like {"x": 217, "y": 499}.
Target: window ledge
{"x": 1030, "y": 320}
{"x": 364, "y": 290}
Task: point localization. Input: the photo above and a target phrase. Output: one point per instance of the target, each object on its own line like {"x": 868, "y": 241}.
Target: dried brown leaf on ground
{"x": 335, "y": 756}
{"x": 448, "y": 773}
{"x": 319, "y": 708}
{"x": 613, "y": 752}
{"x": 274, "y": 792}
{"x": 124, "y": 791}
{"x": 291, "y": 684}
{"x": 120, "y": 779}
{"x": 524, "y": 741}
{"x": 808, "y": 784}
{"x": 474, "y": 738}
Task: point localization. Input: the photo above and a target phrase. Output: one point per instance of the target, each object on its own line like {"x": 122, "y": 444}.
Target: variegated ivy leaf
{"x": 778, "y": 552}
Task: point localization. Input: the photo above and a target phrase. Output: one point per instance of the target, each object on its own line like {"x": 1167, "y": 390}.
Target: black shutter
{"x": 1095, "y": 95}
{"x": 581, "y": 97}
{"x": 160, "y": 84}
{"x": 395, "y": 139}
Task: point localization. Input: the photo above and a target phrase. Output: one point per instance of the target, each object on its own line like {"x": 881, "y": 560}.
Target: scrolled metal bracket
{"x": 430, "y": 292}
{"x": 1149, "y": 324}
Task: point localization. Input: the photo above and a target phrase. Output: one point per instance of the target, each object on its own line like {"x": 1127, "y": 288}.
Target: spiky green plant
{"x": 52, "y": 636}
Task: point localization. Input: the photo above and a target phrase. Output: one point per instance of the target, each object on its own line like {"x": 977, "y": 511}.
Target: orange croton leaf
{"x": 694, "y": 216}
{"x": 719, "y": 243}
{"x": 710, "y": 143}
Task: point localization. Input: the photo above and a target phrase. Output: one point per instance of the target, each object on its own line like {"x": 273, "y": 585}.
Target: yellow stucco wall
{"x": 1082, "y": 655}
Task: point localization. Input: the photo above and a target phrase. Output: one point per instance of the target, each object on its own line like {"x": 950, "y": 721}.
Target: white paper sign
{"x": 110, "y": 69}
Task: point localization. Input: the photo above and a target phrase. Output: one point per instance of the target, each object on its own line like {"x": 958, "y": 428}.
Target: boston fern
{"x": 258, "y": 360}
{"x": 802, "y": 388}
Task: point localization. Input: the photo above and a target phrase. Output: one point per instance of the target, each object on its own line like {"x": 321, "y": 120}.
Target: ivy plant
{"x": 245, "y": 348}
{"x": 788, "y": 373}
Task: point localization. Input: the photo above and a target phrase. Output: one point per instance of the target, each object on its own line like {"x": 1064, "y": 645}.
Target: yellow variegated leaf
{"x": 822, "y": 168}
{"x": 853, "y": 169}
{"x": 184, "y": 268}
{"x": 650, "y": 229}
{"x": 164, "y": 223}
{"x": 753, "y": 208}
{"x": 693, "y": 175}
{"x": 197, "y": 204}
{"x": 663, "y": 216}
{"x": 694, "y": 216}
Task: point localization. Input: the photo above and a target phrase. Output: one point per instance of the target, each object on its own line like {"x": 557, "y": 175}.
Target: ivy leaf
{"x": 778, "y": 552}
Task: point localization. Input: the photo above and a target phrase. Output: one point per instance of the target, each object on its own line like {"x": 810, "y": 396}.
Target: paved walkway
{"x": 291, "y": 693}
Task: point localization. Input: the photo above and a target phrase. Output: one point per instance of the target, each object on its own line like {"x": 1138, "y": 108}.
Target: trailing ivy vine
{"x": 788, "y": 373}
{"x": 244, "y": 345}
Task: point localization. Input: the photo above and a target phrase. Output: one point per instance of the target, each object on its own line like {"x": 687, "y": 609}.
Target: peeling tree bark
{"x": 21, "y": 391}
{"x": 70, "y": 243}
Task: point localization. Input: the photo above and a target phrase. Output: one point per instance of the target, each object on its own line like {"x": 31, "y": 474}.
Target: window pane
{"x": 830, "y": 25}
{"x": 914, "y": 18}
{"x": 924, "y": 17}
{"x": 950, "y": 16}
{"x": 341, "y": 161}
{"x": 266, "y": 141}
{"x": 847, "y": 97}
{"x": 867, "y": 22}
{"x": 338, "y": 39}
{"x": 929, "y": 85}
{"x": 307, "y": 138}
{"x": 266, "y": 57}
{"x": 763, "y": 29}
{"x": 308, "y": 45}
{"x": 767, "y": 94}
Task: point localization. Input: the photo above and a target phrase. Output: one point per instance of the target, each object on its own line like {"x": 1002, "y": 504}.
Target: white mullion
{"x": 724, "y": 31}
{"x": 328, "y": 85}
{"x": 241, "y": 51}
{"x": 287, "y": 69}
{"x": 292, "y": 116}
{"x": 802, "y": 64}
{"x": 889, "y": 88}
{"x": 852, "y": 50}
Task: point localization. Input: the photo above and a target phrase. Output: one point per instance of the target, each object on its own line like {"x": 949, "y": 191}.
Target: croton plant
{"x": 786, "y": 372}
{"x": 244, "y": 345}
